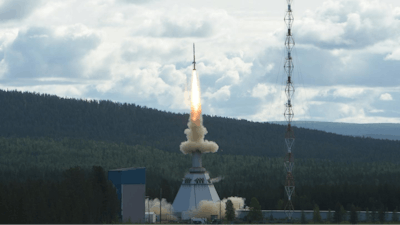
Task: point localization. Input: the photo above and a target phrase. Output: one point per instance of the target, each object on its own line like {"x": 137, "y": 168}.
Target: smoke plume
{"x": 216, "y": 180}
{"x": 195, "y": 139}
{"x": 207, "y": 208}
{"x": 167, "y": 211}
{"x": 196, "y": 131}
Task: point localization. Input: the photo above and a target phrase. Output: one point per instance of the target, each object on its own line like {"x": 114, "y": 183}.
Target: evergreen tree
{"x": 255, "y": 213}
{"x": 395, "y": 216}
{"x": 381, "y": 214}
{"x": 230, "y": 211}
{"x": 280, "y": 204}
{"x": 373, "y": 215}
{"x": 303, "y": 219}
{"x": 329, "y": 216}
{"x": 271, "y": 217}
{"x": 343, "y": 212}
{"x": 316, "y": 214}
{"x": 337, "y": 216}
{"x": 353, "y": 215}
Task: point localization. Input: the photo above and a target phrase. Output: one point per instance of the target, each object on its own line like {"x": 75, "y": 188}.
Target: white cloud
{"x": 386, "y": 97}
{"x": 17, "y": 9}
{"x": 39, "y": 52}
{"x": 223, "y": 94}
{"x": 230, "y": 77}
{"x": 262, "y": 90}
{"x": 348, "y": 92}
{"x": 377, "y": 111}
{"x": 346, "y": 56}
{"x": 176, "y": 22}
{"x": 348, "y": 24}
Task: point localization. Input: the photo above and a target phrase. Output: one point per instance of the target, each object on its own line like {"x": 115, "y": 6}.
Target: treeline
{"x": 43, "y": 115}
{"x": 317, "y": 181}
{"x": 80, "y": 197}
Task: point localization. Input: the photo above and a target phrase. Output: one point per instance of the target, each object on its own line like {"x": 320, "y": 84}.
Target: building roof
{"x": 128, "y": 176}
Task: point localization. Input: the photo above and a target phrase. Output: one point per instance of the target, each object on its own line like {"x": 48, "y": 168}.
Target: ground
{"x": 309, "y": 223}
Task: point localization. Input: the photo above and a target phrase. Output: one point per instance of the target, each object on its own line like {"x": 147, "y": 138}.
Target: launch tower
{"x": 196, "y": 185}
{"x": 289, "y": 90}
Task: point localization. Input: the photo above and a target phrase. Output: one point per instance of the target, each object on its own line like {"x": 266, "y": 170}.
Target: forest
{"x": 322, "y": 182}
{"x": 43, "y": 115}
{"x": 43, "y": 138}
{"x": 79, "y": 197}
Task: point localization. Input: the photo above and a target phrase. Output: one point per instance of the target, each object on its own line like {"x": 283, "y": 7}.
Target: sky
{"x": 346, "y": 57}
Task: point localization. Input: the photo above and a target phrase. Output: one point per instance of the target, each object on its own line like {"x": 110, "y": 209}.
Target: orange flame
{"x": 195, "y": 101}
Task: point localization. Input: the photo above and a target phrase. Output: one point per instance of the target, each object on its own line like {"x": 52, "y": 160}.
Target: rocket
{"x": 194, "y": 58}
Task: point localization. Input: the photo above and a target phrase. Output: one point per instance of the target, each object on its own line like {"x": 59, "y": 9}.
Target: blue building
{"x": 131, "y": 189}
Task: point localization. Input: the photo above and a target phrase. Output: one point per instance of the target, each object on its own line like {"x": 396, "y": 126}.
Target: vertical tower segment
{"x": 289, "y": 91}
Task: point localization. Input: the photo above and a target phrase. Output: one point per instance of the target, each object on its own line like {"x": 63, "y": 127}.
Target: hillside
{"x": 390, "y": 131}
{"x": 317, "y": 181}
{"x": 42, "y": 115}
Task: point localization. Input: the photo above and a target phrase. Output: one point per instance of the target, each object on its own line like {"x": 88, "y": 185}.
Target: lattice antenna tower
{"x": 289, "y": 135}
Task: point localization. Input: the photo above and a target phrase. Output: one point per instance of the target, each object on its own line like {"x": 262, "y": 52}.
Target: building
{"x": 280, "y": 215}
{"x": 131, "y": 188}
{"x": 196, "y": 186}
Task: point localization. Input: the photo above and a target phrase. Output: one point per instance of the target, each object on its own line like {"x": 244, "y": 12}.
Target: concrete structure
{"x": 196, "y": 186}
{"x": 131, "y": 187}
{"x": 281, "y": 215}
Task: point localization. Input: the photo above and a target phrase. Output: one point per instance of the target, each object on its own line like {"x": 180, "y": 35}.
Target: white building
{"x": 196, "y": 186}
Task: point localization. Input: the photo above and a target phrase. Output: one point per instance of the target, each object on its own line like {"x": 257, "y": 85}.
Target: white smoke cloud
{"x": 195, "y": 139}
{"x": 167, "y": 211}
{"x": 216, "y": 179}
{"x": 208, "y": 208}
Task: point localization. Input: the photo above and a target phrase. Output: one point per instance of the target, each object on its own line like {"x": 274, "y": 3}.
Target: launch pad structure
{"x": 196, "y": 186}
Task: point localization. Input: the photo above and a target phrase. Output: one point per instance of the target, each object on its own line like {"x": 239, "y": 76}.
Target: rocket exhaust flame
{"x": 195, "y": 105}
{"x": 196, "y": 131}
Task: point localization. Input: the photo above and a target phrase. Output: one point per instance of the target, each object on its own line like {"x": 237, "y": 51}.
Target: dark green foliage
{"x": 316, "y": 214}
{"x": 373, "y": 216}
{"x": 353, "y": 215}
{"x": 329, "y": 216}
{"x": 230, "y": 211}
{"x": 271, "y": 217}
{"x": 303, "y": 219}
{"x": 338, "y": 214}
{"x": 343, "y": 212}
{"x": 395, "y": 216}
{"x": 43, "y": 115}
{"x": 255, "y": 214}
{"x": 45, "y": 158}
{"x": 67, "y": 133}
{"x": 77, "y": 198}
{"x": 381, "y": 214}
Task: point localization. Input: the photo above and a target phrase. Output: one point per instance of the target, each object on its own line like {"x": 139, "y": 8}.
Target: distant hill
{"x": 43, "y": 115}
{"x": 390, "y": 131}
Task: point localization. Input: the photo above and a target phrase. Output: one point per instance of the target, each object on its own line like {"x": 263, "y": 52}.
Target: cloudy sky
{"x": 347, "y": 55}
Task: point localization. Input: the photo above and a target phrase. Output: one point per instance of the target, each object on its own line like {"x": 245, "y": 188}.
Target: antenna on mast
{"x": 289, "y": 90}
{"x": 194, "y": 58}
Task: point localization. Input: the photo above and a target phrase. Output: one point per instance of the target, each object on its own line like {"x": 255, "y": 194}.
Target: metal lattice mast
{"x": 289, "y": 90}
